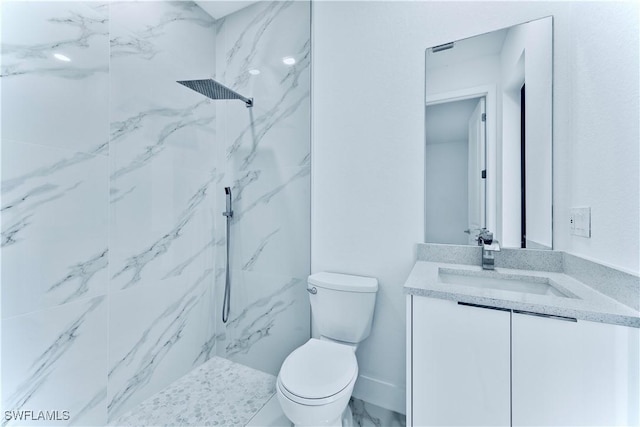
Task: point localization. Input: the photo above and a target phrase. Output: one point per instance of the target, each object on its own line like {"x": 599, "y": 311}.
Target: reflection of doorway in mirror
{"x": 455, "y": 165}
{"x": 477, "y": 172}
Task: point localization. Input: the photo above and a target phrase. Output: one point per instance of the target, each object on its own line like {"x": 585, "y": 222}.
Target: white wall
{"x": 474, "y": 72}
{"x": 368, "y": 143}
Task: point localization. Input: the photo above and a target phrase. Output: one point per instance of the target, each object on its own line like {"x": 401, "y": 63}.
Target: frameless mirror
{"x": 488, "y": 123}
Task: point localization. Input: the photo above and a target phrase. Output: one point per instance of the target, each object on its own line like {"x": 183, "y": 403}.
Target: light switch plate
{"x": 580, "y": 219}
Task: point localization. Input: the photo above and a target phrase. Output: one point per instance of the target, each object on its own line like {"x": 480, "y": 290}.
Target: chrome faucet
{"x": 489, "y": 246}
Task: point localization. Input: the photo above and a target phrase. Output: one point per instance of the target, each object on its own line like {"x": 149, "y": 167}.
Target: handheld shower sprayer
{"x": 228, "y": 212}
{"x": 226, "y": 305}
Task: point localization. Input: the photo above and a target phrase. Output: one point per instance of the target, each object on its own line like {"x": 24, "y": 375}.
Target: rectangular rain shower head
{"x": 214, "y": 90}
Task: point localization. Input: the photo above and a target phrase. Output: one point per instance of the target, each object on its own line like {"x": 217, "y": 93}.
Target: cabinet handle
{"x": 483, "y": 306}
{"x": 550, "y": 316}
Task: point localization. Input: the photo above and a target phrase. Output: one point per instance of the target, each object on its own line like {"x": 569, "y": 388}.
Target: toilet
{"x": 316, "y": 380}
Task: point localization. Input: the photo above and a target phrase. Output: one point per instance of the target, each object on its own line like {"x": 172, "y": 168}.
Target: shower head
{"x": 214, "y": 90}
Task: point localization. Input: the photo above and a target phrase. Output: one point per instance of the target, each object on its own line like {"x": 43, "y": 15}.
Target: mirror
{"x": 488, "y": 131}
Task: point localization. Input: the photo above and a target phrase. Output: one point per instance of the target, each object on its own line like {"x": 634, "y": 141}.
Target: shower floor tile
{"x": 218, "y": 393}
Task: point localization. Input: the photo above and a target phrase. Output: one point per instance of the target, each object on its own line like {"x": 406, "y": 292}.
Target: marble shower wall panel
{"x": 276, "y": 132}
{"x": 265, "y": 156}
{"x": 55, "y": 359}
{"x": 54, "y": 227}
{"x": 273, "y": 319}
{"x": 55, "y": 133}
{"x": 157, "y": 333}
{"x": 163, "y": 180}
{"x": 270, "y": 217}
{"x": 108, "y": 178}
{"x": 153, "y": 44}
{"x": 47, "y": 101}
{"x": 54, "y": 146}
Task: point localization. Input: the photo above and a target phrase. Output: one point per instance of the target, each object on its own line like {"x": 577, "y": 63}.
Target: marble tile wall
{"x": 54, "y": 214}
{"x": 162, "y": 179}
{"x": 112, "y": 177}
{"x": 108, "y": 182}
{"x": 265, "y": 156}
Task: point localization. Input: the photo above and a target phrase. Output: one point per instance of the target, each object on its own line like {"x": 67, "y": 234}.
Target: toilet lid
{"x": 318, "y": 369}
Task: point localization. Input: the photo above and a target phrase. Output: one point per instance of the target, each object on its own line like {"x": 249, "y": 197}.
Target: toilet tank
{"x": 342, "y": 305}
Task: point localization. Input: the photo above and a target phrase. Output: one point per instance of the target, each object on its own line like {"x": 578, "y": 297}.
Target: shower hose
{"x": 226, "y": 305}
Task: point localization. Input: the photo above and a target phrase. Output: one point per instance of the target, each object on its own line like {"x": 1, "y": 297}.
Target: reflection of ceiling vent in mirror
{"x": 442, "y": 47}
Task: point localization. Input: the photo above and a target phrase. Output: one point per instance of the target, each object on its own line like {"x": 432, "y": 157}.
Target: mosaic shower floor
{"x": 218, "y": 393}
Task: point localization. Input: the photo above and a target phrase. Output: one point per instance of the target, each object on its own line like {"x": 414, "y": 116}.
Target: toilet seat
{"x": 317, "y": 372}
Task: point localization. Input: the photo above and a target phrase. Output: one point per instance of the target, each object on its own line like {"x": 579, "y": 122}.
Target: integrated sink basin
{"x": 504, "y": 282}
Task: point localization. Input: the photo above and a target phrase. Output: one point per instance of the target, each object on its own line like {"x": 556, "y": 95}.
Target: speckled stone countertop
{"x": 583, "y": 302}
{"x": 218, "y": 393}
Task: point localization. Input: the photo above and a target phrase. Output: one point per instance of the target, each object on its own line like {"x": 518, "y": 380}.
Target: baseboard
{"x": 380, "y": 393}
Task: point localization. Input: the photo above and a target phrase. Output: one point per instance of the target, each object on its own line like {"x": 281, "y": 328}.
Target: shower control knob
{"x": 312, "y": 290}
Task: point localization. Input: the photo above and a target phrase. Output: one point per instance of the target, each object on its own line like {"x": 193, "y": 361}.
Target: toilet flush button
{"x": 312, "y": 290}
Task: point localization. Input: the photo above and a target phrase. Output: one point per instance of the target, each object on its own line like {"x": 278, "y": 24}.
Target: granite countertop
{"x": 583, "y": 302}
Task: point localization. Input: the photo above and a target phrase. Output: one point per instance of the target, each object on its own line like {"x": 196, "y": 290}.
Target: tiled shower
{"x": 113, "y": 239}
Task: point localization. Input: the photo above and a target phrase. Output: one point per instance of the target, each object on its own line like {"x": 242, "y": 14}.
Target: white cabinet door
{"x": 460, "y": 364}
{"x": 574, "y": 374}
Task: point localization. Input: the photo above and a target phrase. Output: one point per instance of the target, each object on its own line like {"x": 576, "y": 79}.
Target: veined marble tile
{"x": 157, "y": 332}
{"x": 54, "y": 227}
{"x": 265, "y": 159}
{"x": 271, "y": 222}
{"x": 164, "y": 222}
{"x": 219, "y": 392}
{"x": 269, "y": 318}
{"x": 163, "y": 178}
{"x": 276, "y": 132}
{"x": 175, "y": 33}
{"x": 151, "y": 114}
{"x": 141, "y": 134}
{"x": 45, "y": 100}
{"x": 153, "y": 45}
{"x": 56, "y": 359}
{"x": 260, "y": 32}
{"x": 272, "y": 135}
{"x": 369, "y": 415}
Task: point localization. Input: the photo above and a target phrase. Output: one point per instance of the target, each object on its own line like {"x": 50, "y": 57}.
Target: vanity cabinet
{"x": 461, "y": 365}
{"x": 475, "y": 365}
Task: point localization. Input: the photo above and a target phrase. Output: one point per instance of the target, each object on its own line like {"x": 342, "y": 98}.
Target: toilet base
{"x": 347, "y": 417}
{"x": 345, "y": 420}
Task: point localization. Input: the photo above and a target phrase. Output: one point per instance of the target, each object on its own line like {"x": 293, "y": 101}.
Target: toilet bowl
{"x": 316, "y": 380}
{"x": 315, "y": 383}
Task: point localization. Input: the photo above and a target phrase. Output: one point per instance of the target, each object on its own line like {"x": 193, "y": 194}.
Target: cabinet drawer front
{"x": 460, "y": 365}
